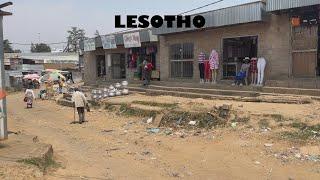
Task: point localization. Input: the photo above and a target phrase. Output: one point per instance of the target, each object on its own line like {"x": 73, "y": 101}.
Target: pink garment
{"x": 214, "y": 60}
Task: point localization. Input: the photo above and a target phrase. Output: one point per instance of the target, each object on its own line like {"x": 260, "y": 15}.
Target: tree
{"x": 41, "y": 47}
{"x": 7, "y": 46}
{"x": 75, "y": 35}
{"x": 97, "y": 34}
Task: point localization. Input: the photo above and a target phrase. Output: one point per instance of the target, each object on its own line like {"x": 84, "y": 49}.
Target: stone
{"x": 268, "y": 145}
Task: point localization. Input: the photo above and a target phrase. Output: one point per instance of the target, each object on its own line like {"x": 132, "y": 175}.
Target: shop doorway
{"x": 118, "y": 66}
{"x": 234, "y": 51}
{"x": 101, "y": 66}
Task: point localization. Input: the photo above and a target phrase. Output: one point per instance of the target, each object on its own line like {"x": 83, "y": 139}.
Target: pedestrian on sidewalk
{"x": 29, "y": 97}
{"x": 80, "y": 102}
{"x": 147, "y": 73}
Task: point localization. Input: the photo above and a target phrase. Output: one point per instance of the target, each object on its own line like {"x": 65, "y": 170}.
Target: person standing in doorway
{"x": 80, "y": 102}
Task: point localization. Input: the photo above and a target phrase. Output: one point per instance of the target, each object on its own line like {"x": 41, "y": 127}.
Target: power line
{"x": 206, "y": 5}
{"x": 201, "y": 7}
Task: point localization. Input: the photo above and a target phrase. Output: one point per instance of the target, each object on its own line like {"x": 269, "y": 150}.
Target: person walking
{"x": 29, "y": 97}
{"x": 147, "y": 73}
{"x": 80, "y": 102}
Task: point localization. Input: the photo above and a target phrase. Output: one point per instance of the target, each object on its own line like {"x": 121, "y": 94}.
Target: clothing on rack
{"x": 207, "y": 70}
{"x": 253, "y": 65}
{"x": 214, "y": 60}
{"x": 261, "y": 68}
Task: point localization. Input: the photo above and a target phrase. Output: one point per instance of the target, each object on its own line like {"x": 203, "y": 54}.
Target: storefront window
{"x": 101, "y": 66}
{"x": 181, "y": 58}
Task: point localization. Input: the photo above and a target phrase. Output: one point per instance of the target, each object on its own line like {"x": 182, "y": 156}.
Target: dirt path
{"x": 115, "y": 147}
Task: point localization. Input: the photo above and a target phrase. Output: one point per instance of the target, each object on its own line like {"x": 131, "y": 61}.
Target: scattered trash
{"x": 167, "y": 132}
{"x": 298, "y": 155}
{"x": 257, "y": 163}
{"x": 234, "y": 125}
{"x": 153, "y": 158}
{"x": 153, "y": 130}
{"x": 268, "y": 145}
{"x": 192, "y": 123}
{"x": 150, "y": 120}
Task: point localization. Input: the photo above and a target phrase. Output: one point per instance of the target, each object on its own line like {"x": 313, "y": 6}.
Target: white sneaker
{"x": 241, "y": 85}
{"x": 233, "y": 84}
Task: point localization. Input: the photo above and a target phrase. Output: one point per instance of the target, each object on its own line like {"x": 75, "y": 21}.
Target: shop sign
{"x": 109, "y": 42}
{"x": 132, "y": 40}
{"x": 89, "y": 44}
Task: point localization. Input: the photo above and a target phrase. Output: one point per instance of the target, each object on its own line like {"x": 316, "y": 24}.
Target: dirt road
{"x": 109, "y": 146}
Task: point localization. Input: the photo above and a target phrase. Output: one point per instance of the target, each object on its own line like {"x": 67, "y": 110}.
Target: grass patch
{"x": 263, "y": 123}
{"x": 125, "y": 109}
{"x": 156, "y": 104}
{"x": 42, "y": 164}
{"x": 110, "y": 107}
{"x": 299, "y": 125}
{"x": 181, "y": 119}
{"x": 303, "y": 133}
{"x": 276, "y": 117}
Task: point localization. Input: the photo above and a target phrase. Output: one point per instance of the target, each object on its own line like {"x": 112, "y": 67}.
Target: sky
{"x": 47, "y": 21}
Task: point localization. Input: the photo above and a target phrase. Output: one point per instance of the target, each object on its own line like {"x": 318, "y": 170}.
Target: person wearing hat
{"x": 242, "y": 75}
{"x": 80, "y": 102}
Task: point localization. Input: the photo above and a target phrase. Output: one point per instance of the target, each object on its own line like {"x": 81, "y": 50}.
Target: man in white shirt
{"x": 80, "y": 102}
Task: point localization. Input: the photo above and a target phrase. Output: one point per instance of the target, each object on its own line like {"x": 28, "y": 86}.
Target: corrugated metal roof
{"x": 276, "y": 5}
{"x": 245, "y": 13}
{"x": 61, "y": 56}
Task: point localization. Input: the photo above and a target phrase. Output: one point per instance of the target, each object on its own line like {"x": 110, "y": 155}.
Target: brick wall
{"x": 273, "y": 44}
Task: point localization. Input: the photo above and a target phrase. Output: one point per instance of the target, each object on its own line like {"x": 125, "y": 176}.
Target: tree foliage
{"x": 7, "y": 46}
{"x": 75, "y": 35}
{"x": 41, "y": 47}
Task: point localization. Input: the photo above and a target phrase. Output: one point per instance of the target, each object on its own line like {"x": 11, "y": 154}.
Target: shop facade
{"x": 249, "y": 30}
{"x": 120, "y": 57}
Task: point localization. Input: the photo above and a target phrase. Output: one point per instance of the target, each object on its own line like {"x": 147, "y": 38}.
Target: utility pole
{"x": 3, "y": 104}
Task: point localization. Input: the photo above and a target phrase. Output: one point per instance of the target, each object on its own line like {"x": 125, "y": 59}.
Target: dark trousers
{"x": 81, "y": 114}
{"x": 201, "y": 69}
{"x": 147, "y": 77}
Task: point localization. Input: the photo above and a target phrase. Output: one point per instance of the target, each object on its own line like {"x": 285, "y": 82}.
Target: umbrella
{"x": 53, "y": 76}
{"x": 31, "y": 76}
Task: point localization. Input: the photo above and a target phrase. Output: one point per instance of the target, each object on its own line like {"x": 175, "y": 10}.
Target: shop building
{"x": 258, "y": 29}
{"x": 284, "y": 32}
{"x": 119, "y": 56}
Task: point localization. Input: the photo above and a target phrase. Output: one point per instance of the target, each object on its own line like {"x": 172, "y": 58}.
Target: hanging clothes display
{"x": 201, "y": 59}
{"x": 261, "y": 64}
{"x": 214, "y": 60}
{"x": 207, "y": 71}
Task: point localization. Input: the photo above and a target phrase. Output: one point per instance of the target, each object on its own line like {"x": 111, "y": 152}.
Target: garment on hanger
{"x": 253, "y": 65}
{"x": 214, "y": 60}
{"x": 261, "y": 65}
{"x": 207, "y": 70}
{"x": 201, "y": 59}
